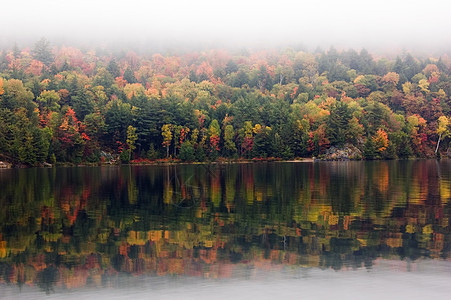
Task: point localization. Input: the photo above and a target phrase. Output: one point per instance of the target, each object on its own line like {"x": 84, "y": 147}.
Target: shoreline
{"x": 162, "y": 162}
{"x": 5, "y": 166}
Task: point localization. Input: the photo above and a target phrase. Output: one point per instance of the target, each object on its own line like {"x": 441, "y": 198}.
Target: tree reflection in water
{"x": 77, "y": 227}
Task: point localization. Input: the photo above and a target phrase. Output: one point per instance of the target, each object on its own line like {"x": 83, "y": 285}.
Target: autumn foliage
{"x": 75, "y": 106}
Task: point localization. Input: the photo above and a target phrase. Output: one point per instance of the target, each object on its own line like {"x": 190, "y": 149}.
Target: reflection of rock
{"x": 4, "y": 165}
{"x": 348, "y": 152}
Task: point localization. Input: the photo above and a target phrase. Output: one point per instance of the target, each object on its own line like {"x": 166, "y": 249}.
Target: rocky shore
{"x": 348, "y": 152}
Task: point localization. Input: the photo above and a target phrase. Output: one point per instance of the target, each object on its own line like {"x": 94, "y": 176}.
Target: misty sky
{"x": 240, "y": 23}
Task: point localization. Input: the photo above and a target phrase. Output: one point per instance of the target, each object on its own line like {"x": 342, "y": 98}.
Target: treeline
{"x": 70, "y": 105}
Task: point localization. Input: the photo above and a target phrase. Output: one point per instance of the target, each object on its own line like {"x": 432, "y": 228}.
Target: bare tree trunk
{"x": 438, "y": 143}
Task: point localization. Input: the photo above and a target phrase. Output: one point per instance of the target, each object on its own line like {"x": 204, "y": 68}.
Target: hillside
{"x": 68, "y": 105}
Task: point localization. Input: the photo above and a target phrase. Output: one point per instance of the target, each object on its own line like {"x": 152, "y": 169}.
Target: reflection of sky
{"x": 384, "y": 23}
{"x": 387, "y": 280}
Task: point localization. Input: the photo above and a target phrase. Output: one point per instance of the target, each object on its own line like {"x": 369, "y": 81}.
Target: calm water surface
{"x": 348, "y": 230}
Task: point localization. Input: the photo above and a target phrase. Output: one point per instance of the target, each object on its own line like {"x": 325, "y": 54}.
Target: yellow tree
{"x": 229, "y": 143}
{"x": 415, "y": 125}
{"x": 248, "y": 140}
{"x": 131, "y": 138}
{"x": 134, "y": 89}
{"x": 167, "y": 136}
{"x": 442, "y": 130}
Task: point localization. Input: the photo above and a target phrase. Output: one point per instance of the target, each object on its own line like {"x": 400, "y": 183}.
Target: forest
{"x": 67, "y": 105}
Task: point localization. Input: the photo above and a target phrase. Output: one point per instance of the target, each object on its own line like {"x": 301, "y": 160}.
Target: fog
{"x": 377, "y": 25}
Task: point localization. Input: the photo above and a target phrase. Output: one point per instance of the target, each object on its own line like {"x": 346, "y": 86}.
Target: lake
{"x": 348, "y": 230}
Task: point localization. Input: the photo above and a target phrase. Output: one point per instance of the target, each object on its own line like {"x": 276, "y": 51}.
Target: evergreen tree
{"x": 369, "y": 152}
{"x": 113, "y": 68}
{"x": 186, "y": 151}
{"x": 129, "y": 76}
{"x": 43, "y": 52}
{"x": 338, "y": 124}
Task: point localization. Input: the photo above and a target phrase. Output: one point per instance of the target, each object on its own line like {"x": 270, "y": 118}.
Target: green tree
{"x": 118, "y": 117}
{"x": 113, "y": 68}
{"x": 262, "y": 143}
{"x": 16, "y": 96}
{"x": 229, "y": 143}
{"x": 82, "y": 103}
{"x": 186, "y": 151}
{"x": 338, "y": 124}
{"x": 43, "y": 52}
{"x": 49, "y": 100}
{"x": 130, "y": 76}
{"x": 369, "y": 151}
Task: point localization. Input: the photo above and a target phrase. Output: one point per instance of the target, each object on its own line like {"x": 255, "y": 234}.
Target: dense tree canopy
{"x": 68, "y": 105}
